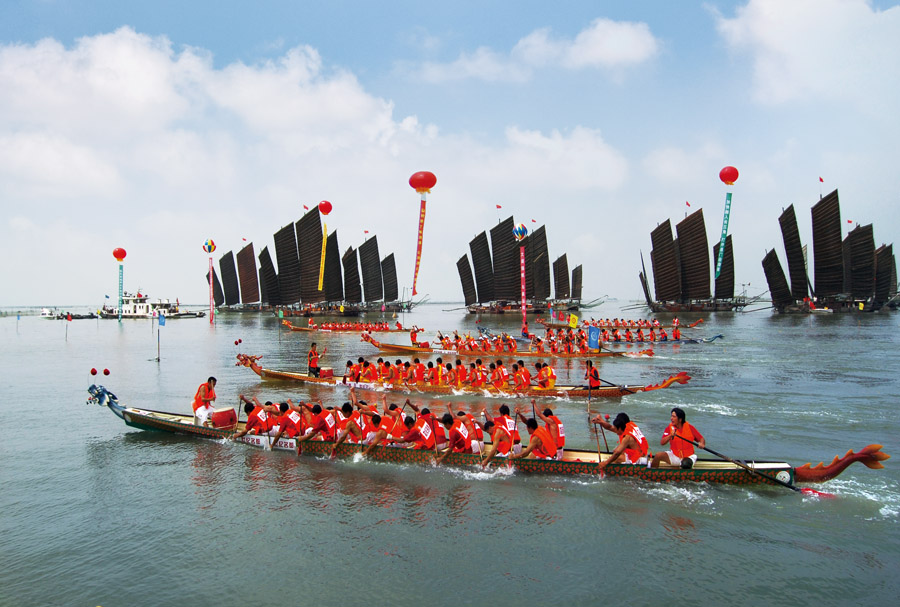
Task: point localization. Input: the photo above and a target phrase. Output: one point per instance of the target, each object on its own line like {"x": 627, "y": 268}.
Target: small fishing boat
{"x": 611, "y": 391}
{"x": 574, "y": 461}
{"x": 401, "y": 349}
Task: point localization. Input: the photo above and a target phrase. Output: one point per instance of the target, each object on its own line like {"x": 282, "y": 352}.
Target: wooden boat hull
{"x": 490, "y": 391}
{"x": 574, "y": 462}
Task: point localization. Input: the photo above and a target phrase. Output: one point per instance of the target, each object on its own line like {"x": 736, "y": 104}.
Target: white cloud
{"x": 232, "y": 153}
{"x": 604, "y": 44}
{"x": 821, "y": 50}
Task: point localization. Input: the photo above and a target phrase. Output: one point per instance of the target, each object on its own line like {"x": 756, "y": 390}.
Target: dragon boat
{"x": 621, "y": 326}
{"x": 318, "y": 329}
{"x": 574, "y": 461}
{"x": 402, "y": 349}
{"x": 612, "y": 391}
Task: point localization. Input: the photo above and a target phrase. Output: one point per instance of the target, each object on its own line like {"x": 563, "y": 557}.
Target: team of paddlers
{"x": 458, "y": 375}
{"x": 353, "y": 326}
{"x": 357, "y": 422}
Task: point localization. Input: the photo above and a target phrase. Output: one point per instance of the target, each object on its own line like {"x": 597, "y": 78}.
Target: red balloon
{"x": 235, "y": 342}
{"x": 93, "y": 371}
{"x": 119, "y": 253}
{"x": 105, "y": 371}
{"x": 324, "y": 207}
{"x": 728, "y": 175}
{"x": 422, "y": 181}
{"x": 240, "y": 341}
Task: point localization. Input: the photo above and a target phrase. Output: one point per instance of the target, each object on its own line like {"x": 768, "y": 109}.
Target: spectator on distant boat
{"x": 681, "y": 452}
{"x": 633, "y": 447}
{"x": 203, "y": 401}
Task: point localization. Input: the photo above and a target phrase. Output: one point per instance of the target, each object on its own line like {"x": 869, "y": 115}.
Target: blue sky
{"x": 154, "y": 126}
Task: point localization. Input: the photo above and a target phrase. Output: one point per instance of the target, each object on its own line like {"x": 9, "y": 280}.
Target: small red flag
{"x": 365, "y": 231}
{"x": 305, "y": 208}
{"x": 499, "y": 207}
{"x": 69, "y": 316}
{"x": 849, "y": 221}
{"x": 687, "y": 203}
{"x": 244, "y": 239}
{"x": 533, "y": 221}
{"x": 821, "y": 180}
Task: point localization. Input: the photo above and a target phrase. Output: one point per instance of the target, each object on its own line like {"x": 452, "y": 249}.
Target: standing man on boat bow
{"x": 312, "y": 358}
{"x": 203, "y": 401}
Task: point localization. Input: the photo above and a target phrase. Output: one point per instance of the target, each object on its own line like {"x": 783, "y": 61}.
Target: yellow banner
{"x": 322, "y": 263}
{"x": 573, "y": 321}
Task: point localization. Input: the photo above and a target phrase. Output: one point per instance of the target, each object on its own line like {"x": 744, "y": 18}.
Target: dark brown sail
{"x": 827, "y": 246}
{"x": 885, "y": 274}
{"x": 778, "y": 286}
{"x": 389, "y": 275}
{"x": 793, "y": 248}
{"x": 263, "y": 296}
{"x": 693, "y": 250}
{"x": 352, "y": 288}
{"x": 505, "y": 257}
{"x": 229, "y": 278}
{"x": 309, "y": 245}
{"x": 666, "y": 273}
{"x": 334, "y": 284}
{"x": 373, "y": 283}
{"x": 484, "y": 270}
{"x": 249, "y": 278}
{"x": 540, "y": 264}
{"x": 218, "y": 296}
{"x": 725, "y": 281}
{"x": 465, "y": 277}
{"x": 576, "y": 282}
{"x": 561, "y": 277}
{"x": 271, "y": 291}
{"x": 859, "y": 269}
{"x": 288, "y": 265}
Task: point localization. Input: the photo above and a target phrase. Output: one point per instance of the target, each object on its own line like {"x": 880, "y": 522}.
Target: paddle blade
{"x": 819, "y": 494}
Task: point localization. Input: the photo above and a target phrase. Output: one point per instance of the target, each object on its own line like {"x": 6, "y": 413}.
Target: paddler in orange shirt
{"x": 541, "y": 444}
{"x": 203, "y": 401}
{"x": 633, "y": 447}
{"x": 681, "y": 452}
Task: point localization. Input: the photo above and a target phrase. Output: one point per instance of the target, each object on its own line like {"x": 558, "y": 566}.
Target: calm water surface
{"x": 95, "y": 513}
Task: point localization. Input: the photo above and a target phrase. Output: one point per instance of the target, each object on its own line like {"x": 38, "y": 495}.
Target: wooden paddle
{"x": 804, "y": 490}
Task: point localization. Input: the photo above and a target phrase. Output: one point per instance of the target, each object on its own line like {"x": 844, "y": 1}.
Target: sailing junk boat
{"x": 294, "y": 289}
{"x": 496, "y": 285}
{"x": 851, "y": 275}
{"x": 681, "y": 270}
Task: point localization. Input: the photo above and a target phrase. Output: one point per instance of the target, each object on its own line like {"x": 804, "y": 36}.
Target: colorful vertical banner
{"x": 522, "y": 277}
{"x": 728, "y": 176}
{"x": 724, "y": 234}
{"x": 209, "y": 246}
{"x": 419, "y": 244}
{"x": 322, "y": 263}
{"x": 594, "y": 338}
{"x": 421, "y": 182}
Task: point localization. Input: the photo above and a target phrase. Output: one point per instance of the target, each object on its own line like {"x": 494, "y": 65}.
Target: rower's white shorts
{"x": 676, "y": 461}
{"x": 201, "y": 415}
{"x": 517, "y": 448}
{"x": 559, "y": 454}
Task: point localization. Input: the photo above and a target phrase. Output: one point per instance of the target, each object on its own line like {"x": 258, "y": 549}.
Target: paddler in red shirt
{"x": 260, "y": 418}
{"x": 681, "y": 452}
{"x": 349, "y": 428}
{"x": 322, "y": 427}
{"x": 290, "y": 422}
{"x": 460, "y": 441}
{"x": 633, "y": 447}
